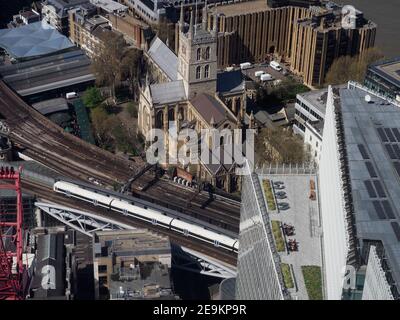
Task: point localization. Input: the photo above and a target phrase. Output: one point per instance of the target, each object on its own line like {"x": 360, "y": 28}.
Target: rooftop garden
{"x": 287, "y": 276}
{"x": 269, "y": 195}
{"x": 276, "y": 230}
{"x": 313, "y": 281}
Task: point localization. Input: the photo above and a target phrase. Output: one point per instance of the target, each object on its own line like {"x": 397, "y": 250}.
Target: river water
{"x": 386, "y": 14}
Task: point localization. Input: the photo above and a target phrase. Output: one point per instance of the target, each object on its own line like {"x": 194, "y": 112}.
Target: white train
{"x": 141, "y": 212}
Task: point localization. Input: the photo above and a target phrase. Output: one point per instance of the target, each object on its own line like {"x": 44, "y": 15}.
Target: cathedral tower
{"x": 197, "y": 57}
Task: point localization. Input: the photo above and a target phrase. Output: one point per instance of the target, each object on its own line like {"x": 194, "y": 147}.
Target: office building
{"x": 55, "y": 13}
{"x": 309, "y": 120}
{"x": 309, "y": 38}
{"x": 384, "y": 78}
{"x": 132, "y": 265}
{"x": 359, "y": 174}
{"x": 24, "y": 17}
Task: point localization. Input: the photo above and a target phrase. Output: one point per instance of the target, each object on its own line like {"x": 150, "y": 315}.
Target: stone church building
{"x": 188, "y": 89}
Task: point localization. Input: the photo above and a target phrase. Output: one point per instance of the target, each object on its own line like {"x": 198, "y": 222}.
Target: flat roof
{"x": 241, "y": 8}
{"x": 303, "y": 215}
{"x": 32, "y": 40}
{"x": 109, "y": 5}
{"x": 51, "y": 106}
{"x": 372, "y": 136}
{"x": 389, "y": 70}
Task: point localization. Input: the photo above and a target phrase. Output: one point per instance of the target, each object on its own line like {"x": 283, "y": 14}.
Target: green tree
{"x": 92, "y": 97}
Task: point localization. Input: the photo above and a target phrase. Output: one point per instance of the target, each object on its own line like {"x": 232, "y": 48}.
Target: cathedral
{"x": 188, "y": 90}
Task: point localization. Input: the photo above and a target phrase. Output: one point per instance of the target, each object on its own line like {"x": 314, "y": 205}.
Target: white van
{"x": 245, "y": 65}
{"x": 71, "y": 95}
{"x": 275, "y": 65}
{"x": 258, "y": 73}
{"x": 266, "y": 77}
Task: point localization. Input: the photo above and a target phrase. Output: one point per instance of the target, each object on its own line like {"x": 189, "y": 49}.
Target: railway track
{"x": 45, "y": 193}
{"x": 72, "y": 157}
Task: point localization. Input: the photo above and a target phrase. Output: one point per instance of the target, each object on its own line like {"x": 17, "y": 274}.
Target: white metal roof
{"x": 32, "y": 40}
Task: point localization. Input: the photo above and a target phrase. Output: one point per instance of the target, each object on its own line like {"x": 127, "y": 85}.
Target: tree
{"x": 130, "y": 68}
{"x": 280, "y": 145}
{"x": 115, "y": 62}
{"x": 132, "y": 109}
{"x": 107, "y": 64}
{"x": 348, "y": 68}
{"x": 92, "y": 97}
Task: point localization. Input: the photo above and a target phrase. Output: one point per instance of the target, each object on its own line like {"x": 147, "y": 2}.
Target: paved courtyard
{"x": 303, "y": 214}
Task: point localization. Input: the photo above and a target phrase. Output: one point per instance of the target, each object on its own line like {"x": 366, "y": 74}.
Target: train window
{"x": 125, "y": 212}
{"x": 185, "y": 232}
{"x": 145, "y": 207}
{"x": 67, "y": 193}
{"x": 132, "y": 203}
{"x": 164, "y": 213}
{"x": 95, "y": 202}
{"x": 154, "y": 221}
{"x": 216, "y": 243}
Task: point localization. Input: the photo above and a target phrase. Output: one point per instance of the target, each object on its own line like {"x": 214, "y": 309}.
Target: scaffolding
{"x": 11, "y": 239}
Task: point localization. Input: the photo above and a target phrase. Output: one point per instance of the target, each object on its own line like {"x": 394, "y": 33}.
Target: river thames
{"x": 386, "y": 14}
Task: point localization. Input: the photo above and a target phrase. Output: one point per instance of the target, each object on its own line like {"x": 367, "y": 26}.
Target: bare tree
{"x": 130, "y": 68}
{"x": 115, "y": 62}
{"x": 354, "y": 68}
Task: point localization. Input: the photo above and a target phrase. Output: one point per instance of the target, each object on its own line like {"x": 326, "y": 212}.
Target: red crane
{"x": 11, "y": 239}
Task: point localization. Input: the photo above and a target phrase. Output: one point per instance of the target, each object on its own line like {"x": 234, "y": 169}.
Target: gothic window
{"x": 206, "y": 71}
{"x": 198, "y": 72}
{"x": 238, "y": 103}
{"x": 198, "y": 55}
{"x": 159, "y": 120}
{"x": 207, "y": 53}
{"x": 171, "y": 115}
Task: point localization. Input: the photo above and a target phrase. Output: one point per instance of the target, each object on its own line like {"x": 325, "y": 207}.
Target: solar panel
{"x": 379, "y": 188}
{"x": 363, "y": 151}
{"x": 388, "y": 209}
{"x": 371, "y": 170}
{"x": 396, "y": 149}
{"x": 379, "y": 210}
{"x": 396, "y": 230}
{"x": 390, "y": 151}
{"x": 370, "y": 189}
{"x": 390, "y": 135}
{"x": 397, "y": 167}
{"x": 382, "y": 135}
{"x": 396, "y": 133}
